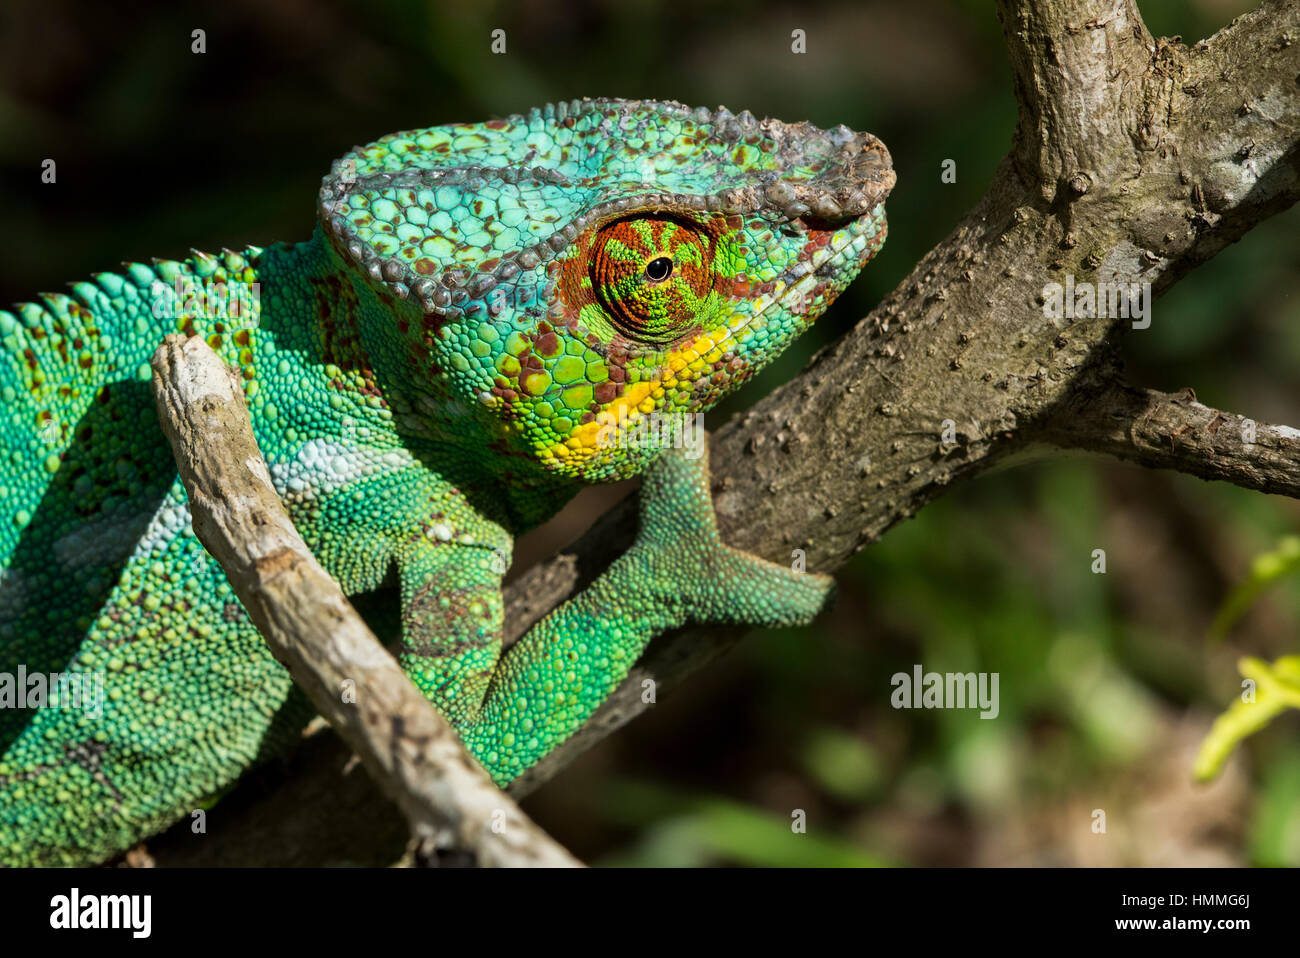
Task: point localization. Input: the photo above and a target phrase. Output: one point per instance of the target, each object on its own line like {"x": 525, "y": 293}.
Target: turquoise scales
{"x": 483, "y": 315}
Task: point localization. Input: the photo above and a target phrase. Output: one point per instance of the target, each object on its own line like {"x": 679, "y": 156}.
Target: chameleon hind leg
{"x": 677, "y": 571}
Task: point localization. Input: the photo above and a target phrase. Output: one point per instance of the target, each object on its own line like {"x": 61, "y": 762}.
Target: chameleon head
{"x": 595, "y": 274}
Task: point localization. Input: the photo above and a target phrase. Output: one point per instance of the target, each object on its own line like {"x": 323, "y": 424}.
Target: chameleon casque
{"x": 427, "y": 376}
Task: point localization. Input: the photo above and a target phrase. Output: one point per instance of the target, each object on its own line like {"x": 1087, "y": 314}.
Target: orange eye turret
{"x": 652, "y": 274}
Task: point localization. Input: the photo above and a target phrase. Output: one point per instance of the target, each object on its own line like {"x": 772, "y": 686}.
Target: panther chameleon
{"x": 483, "y": 316}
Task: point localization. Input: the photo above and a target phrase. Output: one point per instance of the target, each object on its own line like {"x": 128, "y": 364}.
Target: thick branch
{"x": 449, "y": 801}
{"x": 1174, "y": 431}
{"x": 1077, "y": 65}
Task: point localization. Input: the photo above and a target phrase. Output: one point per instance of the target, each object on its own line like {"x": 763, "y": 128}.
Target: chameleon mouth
{"x": 372, "y": 202}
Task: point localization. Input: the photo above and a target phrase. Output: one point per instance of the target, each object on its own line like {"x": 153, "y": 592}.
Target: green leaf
{"x": 1275, "y": 823}
{"x": 1264, "y": 570}
{"x": 843, "y": 764}
{"x": 695, "y": 831}
{"x": 1277, "y": 688}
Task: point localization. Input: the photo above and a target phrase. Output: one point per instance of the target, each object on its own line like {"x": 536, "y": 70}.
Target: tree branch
{"x": 1174, "y": 431}
{"x": 417, "y": 758}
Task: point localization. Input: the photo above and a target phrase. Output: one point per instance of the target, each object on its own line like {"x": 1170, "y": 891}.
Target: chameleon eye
{"x": 652, "y": 275}
{"x": 658, "y": 270}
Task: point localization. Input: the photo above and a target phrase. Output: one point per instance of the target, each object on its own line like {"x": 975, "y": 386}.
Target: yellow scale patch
{"x": 642, "y": 398}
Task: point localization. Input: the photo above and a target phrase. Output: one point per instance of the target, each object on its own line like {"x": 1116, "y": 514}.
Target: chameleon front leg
{"x": 677, "y": 571}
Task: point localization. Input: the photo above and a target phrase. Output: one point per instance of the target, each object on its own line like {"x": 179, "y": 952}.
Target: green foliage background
{"x": 1107, "y": 682}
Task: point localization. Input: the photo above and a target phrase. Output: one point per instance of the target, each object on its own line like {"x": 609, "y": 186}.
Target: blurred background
{"x": 1108, "y": 682}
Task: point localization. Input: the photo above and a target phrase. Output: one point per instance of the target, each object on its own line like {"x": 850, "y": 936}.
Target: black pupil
{"x": 659, "y": 269}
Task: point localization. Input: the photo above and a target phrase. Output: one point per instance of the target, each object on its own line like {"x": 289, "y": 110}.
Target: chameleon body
{"x": 483, "y": 317}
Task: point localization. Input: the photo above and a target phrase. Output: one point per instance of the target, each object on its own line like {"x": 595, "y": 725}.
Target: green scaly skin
{"x": 482, "y": 320}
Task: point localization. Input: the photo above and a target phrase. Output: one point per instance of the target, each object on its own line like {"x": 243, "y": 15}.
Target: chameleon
{"x": 485, "y": 318}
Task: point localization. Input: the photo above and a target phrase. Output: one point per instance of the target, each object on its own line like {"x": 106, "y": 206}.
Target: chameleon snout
{"x": 854, "y": 174}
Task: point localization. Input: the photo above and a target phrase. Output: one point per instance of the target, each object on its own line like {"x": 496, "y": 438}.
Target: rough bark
{"x": 1174, "y": 431}
{"x": 1134, "y": 160}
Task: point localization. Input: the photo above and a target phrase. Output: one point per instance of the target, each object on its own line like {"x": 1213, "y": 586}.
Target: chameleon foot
{"x": 687, "y": 565}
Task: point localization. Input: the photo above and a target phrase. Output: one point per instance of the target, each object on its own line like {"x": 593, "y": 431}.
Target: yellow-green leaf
{"x": 1276, "y": 688}
{"x": 1264, "y": 570}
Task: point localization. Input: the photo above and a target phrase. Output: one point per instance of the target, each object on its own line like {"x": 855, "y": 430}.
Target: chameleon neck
{"x": 375, "y": 349}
